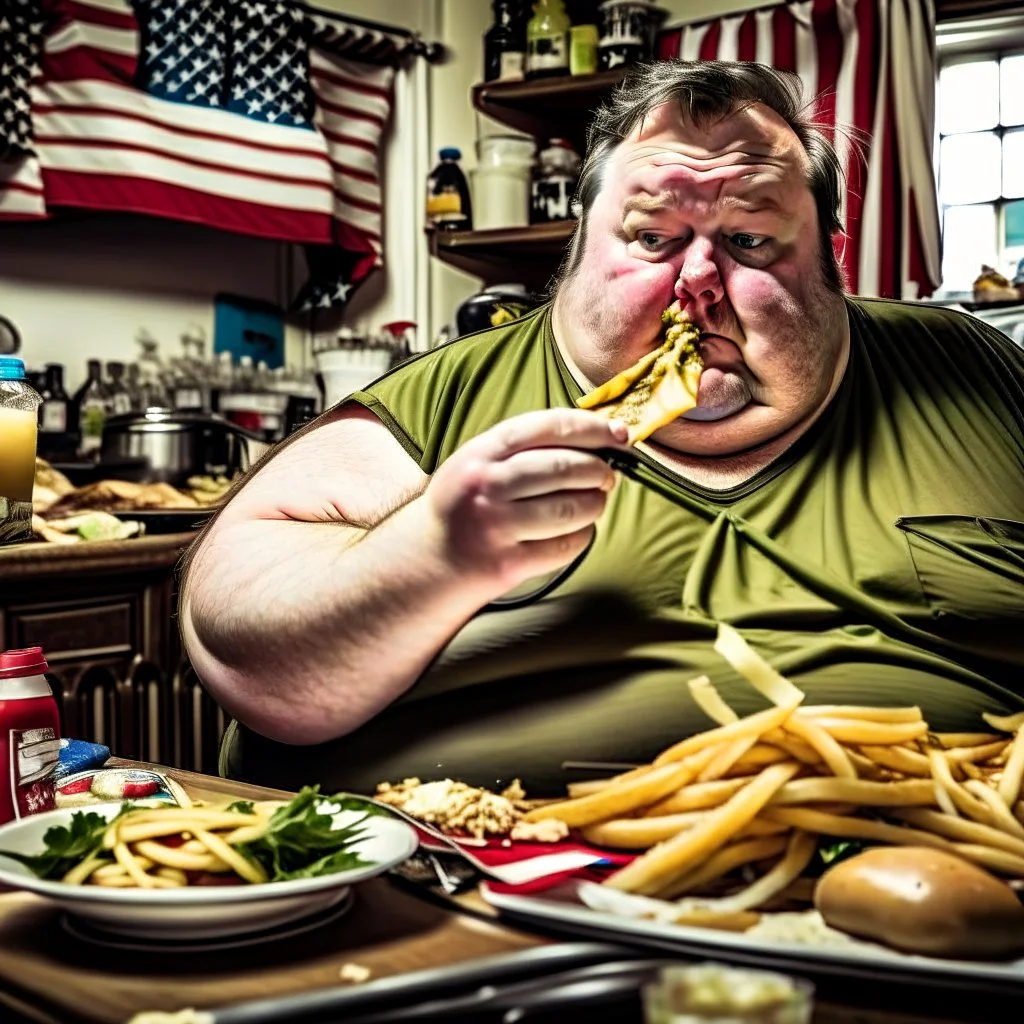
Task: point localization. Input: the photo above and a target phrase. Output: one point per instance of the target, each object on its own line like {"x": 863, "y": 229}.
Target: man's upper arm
{"x": 349, "y": 470}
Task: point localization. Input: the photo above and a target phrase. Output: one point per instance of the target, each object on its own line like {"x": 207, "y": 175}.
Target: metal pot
{"x": 178, "y": 445}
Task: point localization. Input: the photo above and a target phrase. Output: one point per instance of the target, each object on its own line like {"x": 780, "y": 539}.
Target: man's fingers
{"x": 547, "y": 428}
{"x": 556, "y": 514}
{"x": 555, "y": 552}
{"x": 544, "y": 470}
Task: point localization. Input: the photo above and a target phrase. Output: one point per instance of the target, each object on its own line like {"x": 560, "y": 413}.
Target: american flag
{"x": 261, "y": 117}
{"x": 870, "y": 64}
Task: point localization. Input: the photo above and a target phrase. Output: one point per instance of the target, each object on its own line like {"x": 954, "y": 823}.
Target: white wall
{"x": 82, "y": 288}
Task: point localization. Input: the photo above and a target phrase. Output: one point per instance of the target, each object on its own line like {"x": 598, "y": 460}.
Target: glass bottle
{"x": 448, "y": 204}
{"x": 19, "y": 404}
{"x": 555, "y": 182}
{"x": 53, "y": 412}
{"x": 134, "y": 388}
{"x": 118, "y": 396}
{"x": 505, "y": 42}
{"x": 547, "y": 40}
{"x": 152, "y": 373}
{"x": 92, "y": 408}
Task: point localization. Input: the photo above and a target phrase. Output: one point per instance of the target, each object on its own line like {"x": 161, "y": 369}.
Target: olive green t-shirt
{"x": 879, "y": 560}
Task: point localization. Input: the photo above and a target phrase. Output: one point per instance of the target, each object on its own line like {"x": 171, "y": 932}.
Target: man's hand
{"x": 521, "y": 499}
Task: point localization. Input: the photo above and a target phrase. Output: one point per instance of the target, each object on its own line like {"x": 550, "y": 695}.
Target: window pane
{"x": 970, "y": 168}
{"x": 968, "y": 241}
{"x": 1013, "y": 163}
{"x": 1014, "y": 224}
{"x": 969, "y": 97}
{"x": 1011, "y": 90}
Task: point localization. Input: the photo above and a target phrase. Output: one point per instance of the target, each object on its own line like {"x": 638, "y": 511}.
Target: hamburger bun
{"x": 922, "y": 900}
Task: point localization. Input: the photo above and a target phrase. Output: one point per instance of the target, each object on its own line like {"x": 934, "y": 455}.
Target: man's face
{"x": 723, "y": 220}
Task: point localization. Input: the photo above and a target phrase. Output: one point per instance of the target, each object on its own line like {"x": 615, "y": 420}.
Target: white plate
{"x": 199, "y": 912}
{"x": 85, "y": 932}
{"x": 560, "y": 909}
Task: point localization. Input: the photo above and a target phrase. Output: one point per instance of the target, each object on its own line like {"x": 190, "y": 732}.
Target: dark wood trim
{"x": 961, "y": 10}
{"x": 37, "y": 559}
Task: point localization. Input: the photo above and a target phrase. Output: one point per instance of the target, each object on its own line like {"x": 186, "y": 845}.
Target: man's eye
{"x": 649, "y": 241}
{"x": 743, "y": 240}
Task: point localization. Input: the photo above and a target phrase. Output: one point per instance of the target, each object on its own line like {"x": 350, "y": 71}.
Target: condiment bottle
{"x": 19, "y": 403}
{"x": 547, "y": 40}
{"x": 555, "y": 182}
{"x": 448, "y": 203}
{"x": 505, "y": 42}
{"x": 29, "y": 734}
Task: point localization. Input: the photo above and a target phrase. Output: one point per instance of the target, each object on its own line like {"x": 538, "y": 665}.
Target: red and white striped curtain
{"x": 869, "y": 65}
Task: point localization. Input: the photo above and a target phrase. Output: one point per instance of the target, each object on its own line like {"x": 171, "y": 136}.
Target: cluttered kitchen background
{"x": 209, "y": 237}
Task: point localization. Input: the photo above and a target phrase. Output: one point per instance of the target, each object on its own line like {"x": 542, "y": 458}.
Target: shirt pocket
{"x": 971, "y": 571}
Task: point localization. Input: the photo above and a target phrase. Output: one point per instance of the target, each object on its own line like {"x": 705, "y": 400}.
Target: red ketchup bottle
{"x": 29, "y": 735}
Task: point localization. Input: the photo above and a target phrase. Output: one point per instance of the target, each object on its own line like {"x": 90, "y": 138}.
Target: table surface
{"x": 49, "y": 976}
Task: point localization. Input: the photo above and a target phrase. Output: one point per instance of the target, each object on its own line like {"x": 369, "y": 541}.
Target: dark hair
{"x": 708, "y": 90}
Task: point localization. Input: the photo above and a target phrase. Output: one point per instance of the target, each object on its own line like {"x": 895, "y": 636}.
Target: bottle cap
{"x": 11, "y": 368}
{"x": 25, "y": 661}
{"x": 451, "y": 153}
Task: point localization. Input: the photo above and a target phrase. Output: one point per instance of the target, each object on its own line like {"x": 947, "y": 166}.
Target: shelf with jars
{"x": 529, "y": 254}
{"x": 547, "y": 107}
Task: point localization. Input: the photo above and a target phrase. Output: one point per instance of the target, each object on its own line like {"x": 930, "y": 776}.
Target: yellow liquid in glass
{"x": 17, "y": 453}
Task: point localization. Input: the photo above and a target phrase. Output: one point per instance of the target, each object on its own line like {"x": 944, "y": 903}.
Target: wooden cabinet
{"x": 104, "y": 614}
{"x": 545, "y": 108}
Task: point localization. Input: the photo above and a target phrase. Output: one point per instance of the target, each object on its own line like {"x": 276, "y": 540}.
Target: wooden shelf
{"x": 547, "y": 107}
{"x": 528, "y": 254}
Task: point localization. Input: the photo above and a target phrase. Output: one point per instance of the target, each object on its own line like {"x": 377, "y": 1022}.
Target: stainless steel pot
{"x": 178, "y": 445}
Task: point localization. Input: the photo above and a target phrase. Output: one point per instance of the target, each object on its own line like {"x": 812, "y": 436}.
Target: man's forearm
{"x": 306, "y": 630}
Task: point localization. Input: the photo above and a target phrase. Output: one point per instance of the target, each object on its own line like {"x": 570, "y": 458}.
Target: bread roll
{"x": 922, "y": 900}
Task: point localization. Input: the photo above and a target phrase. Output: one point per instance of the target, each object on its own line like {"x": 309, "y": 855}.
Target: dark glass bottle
{"x": 448, "y": 203}
{"x": 53, "y": 412}
{"x": 90, "y": 403}
{"x": 505, "y": 42}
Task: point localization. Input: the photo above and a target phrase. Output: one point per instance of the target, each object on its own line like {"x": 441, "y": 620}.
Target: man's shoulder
{"x": 899, "y": 326}
{"x": 480, "y": 347}
{"x": 942, "y": 320}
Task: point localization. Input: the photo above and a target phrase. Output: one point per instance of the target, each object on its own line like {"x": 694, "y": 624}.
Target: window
{"x": 981, "y": 165}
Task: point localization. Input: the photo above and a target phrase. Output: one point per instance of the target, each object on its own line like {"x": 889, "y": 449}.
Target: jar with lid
{"x": 627, "y": 27}
{"x": 505, "y": 42}
{"x": 501, "y": 181}
{"x": 547, "y": 40}
{"x": 555, "y": 182}
{"x": 19, "y": 404}
{"x": 29, "y": 734}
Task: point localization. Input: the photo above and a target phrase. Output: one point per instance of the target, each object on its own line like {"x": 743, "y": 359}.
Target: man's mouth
{"x": 723, "y": 389}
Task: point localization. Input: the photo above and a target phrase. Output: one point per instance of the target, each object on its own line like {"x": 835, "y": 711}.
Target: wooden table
{"x": 48, "y": 976}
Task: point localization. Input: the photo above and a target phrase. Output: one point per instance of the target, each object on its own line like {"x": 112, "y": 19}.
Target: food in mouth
{"x": 658, "y": 388}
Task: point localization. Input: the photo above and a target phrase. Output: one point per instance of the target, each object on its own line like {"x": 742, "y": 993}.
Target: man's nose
{"x": 699, "y": 280}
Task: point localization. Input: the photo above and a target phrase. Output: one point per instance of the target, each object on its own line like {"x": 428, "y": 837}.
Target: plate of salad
{"x": 202, "y": 872}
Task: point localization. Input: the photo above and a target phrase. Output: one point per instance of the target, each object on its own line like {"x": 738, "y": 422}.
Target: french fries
{"x": 756, "y": 792}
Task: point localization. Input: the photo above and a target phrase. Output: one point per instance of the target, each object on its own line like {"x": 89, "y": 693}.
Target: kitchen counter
{"x": 38, "y": 559}
{"x": 104, "y": 613}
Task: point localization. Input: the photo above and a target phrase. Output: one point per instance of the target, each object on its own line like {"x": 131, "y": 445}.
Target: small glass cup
{"x": 712, "y": 993}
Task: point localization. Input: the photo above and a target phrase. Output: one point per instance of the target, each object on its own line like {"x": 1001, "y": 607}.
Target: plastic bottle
{"x": 19, "y": 403}
{"x": 29, "y": 734}
{"x": 448, "y": 204}
{"x": 547, "y": 40}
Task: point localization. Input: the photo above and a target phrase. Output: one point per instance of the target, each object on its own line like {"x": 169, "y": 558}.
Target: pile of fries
{"x": 760, "y": 790}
